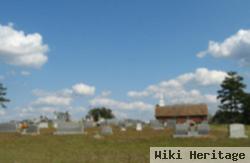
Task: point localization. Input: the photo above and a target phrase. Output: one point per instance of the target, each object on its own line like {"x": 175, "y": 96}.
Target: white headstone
{"x": 89, "y": 124}
{"x": 138, "y": 127}
{"x": 64, "y": 128}
{"x": 106, "y": 130}
{"x": 237, "y": 130}
{"x": 43, "y": 125}
{"x": 123, "y": 129}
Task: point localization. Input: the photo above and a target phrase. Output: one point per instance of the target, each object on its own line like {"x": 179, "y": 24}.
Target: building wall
{"x": 183, "y": 119}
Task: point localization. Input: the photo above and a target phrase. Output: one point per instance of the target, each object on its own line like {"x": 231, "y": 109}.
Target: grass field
{"x": 128, "y": 147}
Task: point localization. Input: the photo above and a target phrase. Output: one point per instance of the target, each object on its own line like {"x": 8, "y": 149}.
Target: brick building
{"x": 181, "y": 113}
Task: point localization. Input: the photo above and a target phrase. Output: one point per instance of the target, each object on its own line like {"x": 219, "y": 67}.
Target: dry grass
{"x": 129, "y": 147}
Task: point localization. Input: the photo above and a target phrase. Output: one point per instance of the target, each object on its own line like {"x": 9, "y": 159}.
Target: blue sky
{"x": 113, "y": 51}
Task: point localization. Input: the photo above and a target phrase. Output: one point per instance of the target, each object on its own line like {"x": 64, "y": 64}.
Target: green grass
{"x": 129, "y": 146}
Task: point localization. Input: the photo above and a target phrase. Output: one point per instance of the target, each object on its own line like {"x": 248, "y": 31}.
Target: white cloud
{"x": 62, "y": 97}
{"x": 20, "y": 49}
{"x": 186, "y": 88}
{"x": 236, "y": 46}
{"x": 120, "y": 115}
{"x": 58, "y": 98}
{"x": 138, "y": 94}
{"x": 25, "y": 73}
{"x": 53, "y": 100}
{"x": 114, "y": 104}
{"x": 207, "y": 77}
{"x": 192, "y": 96}
{"x": 174, "y": 87}
{"x": 83, "y": 89}
{"x": 105, "y": 93}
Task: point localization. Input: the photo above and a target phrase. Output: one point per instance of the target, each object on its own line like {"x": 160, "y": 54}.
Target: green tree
{"x": 103, "y": 112}
{"x": 3, "y": 99}
{"x": 246, "y": 109}
{"x": 231, "y": 96}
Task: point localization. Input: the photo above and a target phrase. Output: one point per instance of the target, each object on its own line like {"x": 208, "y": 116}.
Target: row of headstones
{"x": 183, "y": 130}
{"x": 187, "y": 130}
{"x": 13, "y": 128}
{"x": 66, "y": 128}
{"x": 235, "y": 130}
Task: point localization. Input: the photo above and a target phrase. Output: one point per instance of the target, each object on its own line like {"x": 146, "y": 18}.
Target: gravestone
{"x": 203, "y": 129}
{"x": 55, "y": 123}
{"x": 32, "y": 129}
{"x": 89, "y": 124}
{"x": 123, "y": 129}
{"x": 43, "y": 125}
{"x": 237, "y": 130}
{"x": 181, "y": 130}
{"x": 65, "y": 128}
{"x": 106, "y": 130}
{"x": 156, "y": 125}
{"x": 138, "y": 127}
{"x": 8, "y": 127}
{"x": 171, "y": 123}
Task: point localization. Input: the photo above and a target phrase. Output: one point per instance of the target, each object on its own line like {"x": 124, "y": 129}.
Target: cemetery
{"x": 116, "y": 139}
{"x": 101, "y": 144}
{"x": 101, "y": 137}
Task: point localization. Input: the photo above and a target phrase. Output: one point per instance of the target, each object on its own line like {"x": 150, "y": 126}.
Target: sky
{"x": 125, "y": 55}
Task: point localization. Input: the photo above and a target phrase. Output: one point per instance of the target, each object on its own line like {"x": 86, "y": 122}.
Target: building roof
{"x": 181, "y": 110}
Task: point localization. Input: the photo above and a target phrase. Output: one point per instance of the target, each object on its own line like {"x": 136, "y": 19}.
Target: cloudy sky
{"x": 75, "y": 55}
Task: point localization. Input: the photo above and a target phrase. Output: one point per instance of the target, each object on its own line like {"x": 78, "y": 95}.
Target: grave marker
{"x": 32, "y": 129}
{"x": 138, "y": 127}
{"x": 106, "y": 130}
{"x": 203, "y": 129}
{"x": 65, "y": 128}
{"x": 8, "y": 127}
{"x": 156, "y": 125}
{"x": 237, "y": 130}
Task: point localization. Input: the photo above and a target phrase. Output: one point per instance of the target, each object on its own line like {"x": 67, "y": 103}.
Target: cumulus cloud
{"x": 53, "y": 100}
{"x": 207, "y": 77}
{"x": 185, "y": 88}
{"x": 114, "y": 104}
{"x": 236, "y": 46}
{"x": 138, "y": 94}
{"x": 62, "y": 97}
{"x": 176, "y": 87}
{"x": 83, "y": 89}
{"x": 105, "y": 93}
{"x": 20, "y": 49}
{"x": 119, "y": 114}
